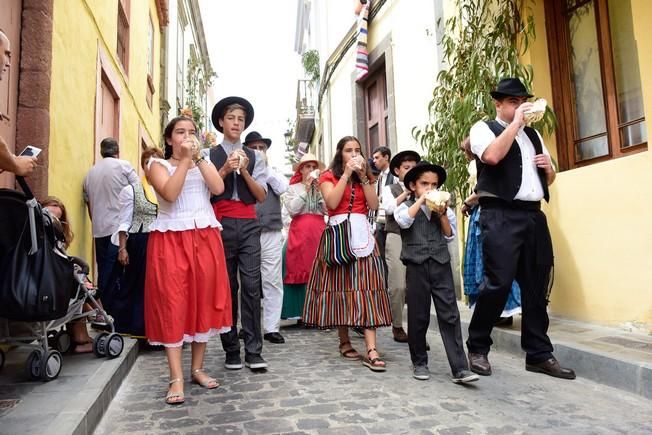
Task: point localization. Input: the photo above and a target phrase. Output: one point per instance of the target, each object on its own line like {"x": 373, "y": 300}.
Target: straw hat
{"x": 309, "y": 157}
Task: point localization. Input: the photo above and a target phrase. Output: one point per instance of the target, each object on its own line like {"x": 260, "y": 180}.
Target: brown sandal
{"x": 374, "y": 364}
{"x": 350, "y": 353}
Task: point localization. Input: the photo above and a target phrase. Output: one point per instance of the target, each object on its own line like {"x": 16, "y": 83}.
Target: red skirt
{"x": 303, "y": 240}
{"x": 187, "y": 292}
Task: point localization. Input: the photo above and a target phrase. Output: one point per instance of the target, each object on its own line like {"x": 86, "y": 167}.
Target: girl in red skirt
{"x": 187, "y": 294}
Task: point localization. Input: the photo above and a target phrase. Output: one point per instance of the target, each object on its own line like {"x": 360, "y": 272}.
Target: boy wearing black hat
{"x": 514, "y": 172}
{"x": 244, "y": 174}
{"x": 425, "y": 233}
{"x": 271, "y": 242}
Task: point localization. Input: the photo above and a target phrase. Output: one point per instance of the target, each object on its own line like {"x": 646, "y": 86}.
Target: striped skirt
{"x": 351, "y": 295}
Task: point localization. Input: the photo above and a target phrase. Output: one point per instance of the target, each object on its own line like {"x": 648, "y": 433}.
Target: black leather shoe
{"x": 551, "y": 367}
{"x": 274, "y": 337}
{"x": 479, "y": 364}
{"x": 504, "y": 322}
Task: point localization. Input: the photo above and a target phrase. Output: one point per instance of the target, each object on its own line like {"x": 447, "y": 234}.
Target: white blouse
{"x": 191, "y": 210}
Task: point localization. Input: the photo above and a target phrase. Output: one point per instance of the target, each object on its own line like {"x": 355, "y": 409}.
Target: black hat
{"x": 254, "y": 136}
{"x": 421, "y": 167}
{"x": 510, "y": 87}
{"x": 401, "y": 157}
{"x": 218, "y": 109}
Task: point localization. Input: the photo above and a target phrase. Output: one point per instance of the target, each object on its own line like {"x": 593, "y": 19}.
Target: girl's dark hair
{"x": 167, "y": 133}
{"x": 337, "y": 164}
{"x": 63, "y": 224}
{"x": 147, "y": 154}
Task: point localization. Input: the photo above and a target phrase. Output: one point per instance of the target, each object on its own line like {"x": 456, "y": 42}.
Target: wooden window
{"x": 107, "y": 102}
{"x": 375, "y": 98}
{"x": 596, "y": 80}
{"x": 123, "y": 34}
{"x": 150, "y": 89}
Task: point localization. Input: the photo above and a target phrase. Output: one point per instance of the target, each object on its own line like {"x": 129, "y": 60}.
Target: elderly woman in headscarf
{"x": 306, "y": 206}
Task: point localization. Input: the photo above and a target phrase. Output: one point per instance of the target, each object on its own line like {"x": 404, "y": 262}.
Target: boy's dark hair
{"x": 407, "y": 158}
{"x": 384, "y": 151}
{"x": 232, "y": 107}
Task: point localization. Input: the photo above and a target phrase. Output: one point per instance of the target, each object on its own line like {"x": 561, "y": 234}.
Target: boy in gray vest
{"x": 424, "y": 234}
{"x": 244, "y": 174}
{"x": 271, "y": 243}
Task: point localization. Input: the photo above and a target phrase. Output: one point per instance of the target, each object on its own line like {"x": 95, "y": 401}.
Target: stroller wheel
{"x": 99, "y": 344}
{"x": 114, "y": 345}
{"x": 33, "y": 365}
{"x": 62, "y": 341}
{"x": 51, "y": 366}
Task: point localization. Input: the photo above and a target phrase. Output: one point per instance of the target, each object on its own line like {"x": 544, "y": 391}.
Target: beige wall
{"x": 597, "y": 215}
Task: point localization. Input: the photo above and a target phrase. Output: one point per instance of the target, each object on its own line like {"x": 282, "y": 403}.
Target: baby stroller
{"x": 42, "y": 285}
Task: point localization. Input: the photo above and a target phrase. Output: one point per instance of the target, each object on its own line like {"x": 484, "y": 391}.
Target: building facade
{"x": 83, "y": 70}
{"x": 590, "y": 58}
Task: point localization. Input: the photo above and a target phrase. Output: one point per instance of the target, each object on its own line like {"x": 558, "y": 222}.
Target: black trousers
{"x": 381, "y": 240}
{"x": 241, "y": 238}
{"x": 433, "y": 280}
{"x": 516, "y": 244}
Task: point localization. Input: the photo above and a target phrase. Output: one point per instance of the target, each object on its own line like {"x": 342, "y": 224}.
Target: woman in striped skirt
{"x": 353, "y": 294}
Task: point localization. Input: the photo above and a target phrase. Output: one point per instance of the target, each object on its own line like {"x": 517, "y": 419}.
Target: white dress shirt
{"x": 278, "y": 182}
{"x": 404, "y": 220}
{"x": 388, "y": 200}
{"x": 102, "y": 187}
{"x": 531, "y": 190}
{"x": 259, "y": 173}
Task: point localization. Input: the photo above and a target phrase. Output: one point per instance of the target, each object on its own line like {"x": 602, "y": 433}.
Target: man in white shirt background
{"x": 102, "y": 187}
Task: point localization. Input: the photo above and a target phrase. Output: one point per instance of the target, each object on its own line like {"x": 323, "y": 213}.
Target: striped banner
{"x": 362, "y": 56}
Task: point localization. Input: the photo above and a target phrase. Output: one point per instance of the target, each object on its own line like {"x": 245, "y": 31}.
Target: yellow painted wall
{"x": 79, "y": 28}
{"x": 598, "y": 214}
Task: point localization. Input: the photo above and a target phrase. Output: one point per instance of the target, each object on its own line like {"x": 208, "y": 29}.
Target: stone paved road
{"x": 311, "y": 389}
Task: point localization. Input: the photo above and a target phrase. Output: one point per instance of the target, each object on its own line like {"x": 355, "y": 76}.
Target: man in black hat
{"x": 392, "y": 196}
{"x": 425, "y": 233}
{"x": 271, "y": 242}
{"x": 514, "y": 172}
{"x": 244, "y": 174}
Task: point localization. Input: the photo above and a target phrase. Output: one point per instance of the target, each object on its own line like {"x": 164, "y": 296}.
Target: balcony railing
{"x": 305, "y": 124}
{"x": 305, "y": 98}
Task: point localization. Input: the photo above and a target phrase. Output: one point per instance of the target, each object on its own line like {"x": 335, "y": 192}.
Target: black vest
{"x": 423, "y": 240}
{"x": 218, "y": 157}
{"x": 269, "y": 212}
{"x": 391, "y": 226}
{"x": 504, "y": 179}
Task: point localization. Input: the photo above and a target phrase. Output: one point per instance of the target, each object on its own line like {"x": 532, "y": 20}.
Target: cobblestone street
{"x": 309, "y": 388}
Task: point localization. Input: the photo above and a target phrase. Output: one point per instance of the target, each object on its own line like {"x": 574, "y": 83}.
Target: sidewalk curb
{"x": 634, "y": 377}
{"x": 88, "y": 406}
